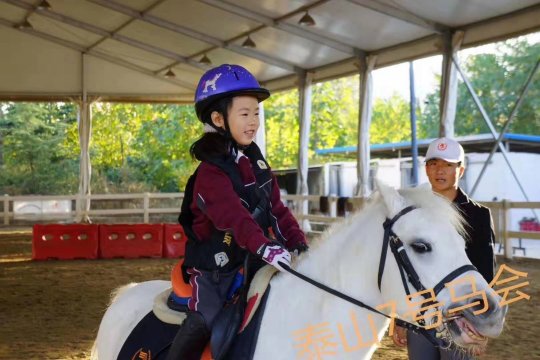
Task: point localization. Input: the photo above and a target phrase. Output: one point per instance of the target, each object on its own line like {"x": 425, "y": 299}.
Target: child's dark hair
{"x": 213, "y": 144}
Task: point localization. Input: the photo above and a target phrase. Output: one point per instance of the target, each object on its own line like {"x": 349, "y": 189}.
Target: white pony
{"x": 304, "y": 322}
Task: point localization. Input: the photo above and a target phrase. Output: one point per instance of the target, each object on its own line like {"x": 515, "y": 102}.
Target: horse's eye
{"x": 421, "y": 247}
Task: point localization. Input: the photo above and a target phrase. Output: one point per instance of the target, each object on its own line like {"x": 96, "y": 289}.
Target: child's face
{"x": 243, "y": 119}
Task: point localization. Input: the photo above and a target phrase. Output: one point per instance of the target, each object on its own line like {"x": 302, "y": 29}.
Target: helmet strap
{"x": 229, "y": 136}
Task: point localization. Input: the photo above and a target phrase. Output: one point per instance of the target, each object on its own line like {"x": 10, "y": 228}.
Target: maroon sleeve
{"x": 223, "y": 207}
{"x": 287, "y": 224}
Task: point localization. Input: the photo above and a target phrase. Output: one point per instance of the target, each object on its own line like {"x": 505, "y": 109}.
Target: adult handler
{"x": 445, "y": 165}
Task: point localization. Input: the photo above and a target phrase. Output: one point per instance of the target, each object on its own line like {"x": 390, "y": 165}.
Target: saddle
{"x": 170, "y": 307}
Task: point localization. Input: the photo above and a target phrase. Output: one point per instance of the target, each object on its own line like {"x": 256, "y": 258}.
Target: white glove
{"x": 273, "y": 254}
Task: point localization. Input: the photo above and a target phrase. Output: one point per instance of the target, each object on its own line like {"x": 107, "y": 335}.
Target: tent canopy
{"x": 120, "y": 50}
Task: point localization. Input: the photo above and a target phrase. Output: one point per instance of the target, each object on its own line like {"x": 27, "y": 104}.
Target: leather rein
{"x": 406, "y": 270}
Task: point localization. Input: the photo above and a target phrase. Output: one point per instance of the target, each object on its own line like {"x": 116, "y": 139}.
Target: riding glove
{"x": 274, "y": 253}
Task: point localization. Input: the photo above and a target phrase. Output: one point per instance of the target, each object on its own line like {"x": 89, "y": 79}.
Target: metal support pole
{"x": 304, "y": 104}
{"x": 518, "y": 103}
{"x": 85, "y": 130}
{"x": 366, "y": 65}
{"x": 414, "y": 144}
{"x": 489, "y": 124}
{"x": 449, "y": 84}
{"x": 260, "y": 138}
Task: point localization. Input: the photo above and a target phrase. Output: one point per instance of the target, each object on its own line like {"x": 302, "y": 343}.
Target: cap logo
{"x": 211, "y": 83}
{"x": 442, "y": 146}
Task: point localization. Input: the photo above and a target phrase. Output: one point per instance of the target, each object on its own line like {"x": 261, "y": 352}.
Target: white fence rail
{"x": 144, "y": 205}
{"x": 140, "y": 206}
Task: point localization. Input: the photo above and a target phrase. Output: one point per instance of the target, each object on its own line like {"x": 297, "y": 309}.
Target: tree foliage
{"x": 142, "y": 147}
{"x": 390, "y": 121}
{"x": 497, "y": 80}
{"x": 334, "y": 119}
{"x": 35, "y": 156}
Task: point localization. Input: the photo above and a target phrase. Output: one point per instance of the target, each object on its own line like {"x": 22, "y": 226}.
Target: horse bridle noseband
{"x": 406, "y": 270}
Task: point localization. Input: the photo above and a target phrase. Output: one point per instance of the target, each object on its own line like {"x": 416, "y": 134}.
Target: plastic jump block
{"x": 64, "y": 241}
{"x": 174, "y": 241}
{"x": 130, "y": 241}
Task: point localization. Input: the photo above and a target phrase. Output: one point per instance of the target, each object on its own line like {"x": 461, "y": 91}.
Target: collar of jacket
{"x": 461, "y": 197}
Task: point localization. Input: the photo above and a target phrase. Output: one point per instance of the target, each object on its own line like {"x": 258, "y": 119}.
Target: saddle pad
{"x": 139, "y": 345}
{"x": 258, "y": 286}
{"x": 163, "y": 312}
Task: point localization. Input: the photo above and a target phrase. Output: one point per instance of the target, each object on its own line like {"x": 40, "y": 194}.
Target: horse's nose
{"x": 487, "y": 318}
{"x": 480, "y": 308}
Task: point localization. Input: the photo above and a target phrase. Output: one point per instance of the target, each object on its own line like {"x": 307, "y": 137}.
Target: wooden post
{"x": 146, "y": 205}
{"x": 333, "y": 206}
{"x": 507, "y": 241}
{"x": 496, "y": 215}
{"x": 6, "y": 209}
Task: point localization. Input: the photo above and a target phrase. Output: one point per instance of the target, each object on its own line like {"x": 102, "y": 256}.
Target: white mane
{"x": 420, "y": 197}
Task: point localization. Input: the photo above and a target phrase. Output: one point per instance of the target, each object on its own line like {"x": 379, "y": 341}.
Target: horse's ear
{"x": 393, "y": 200}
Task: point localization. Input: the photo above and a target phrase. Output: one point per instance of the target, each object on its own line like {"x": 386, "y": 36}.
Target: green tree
{"x": 37, "y": 157}
{"x": 282, "y": 129}
{"x": 334, "y": 119}
{"x": 334, "y": 114}
{"x": 390, "y": 120}
{"x": 163, "y": 147}
{"x": 142, "y": 147}
{"x": 497, "y": 79}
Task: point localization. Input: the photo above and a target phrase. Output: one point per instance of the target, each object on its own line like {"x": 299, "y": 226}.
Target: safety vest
{"x": 221, "y": 252}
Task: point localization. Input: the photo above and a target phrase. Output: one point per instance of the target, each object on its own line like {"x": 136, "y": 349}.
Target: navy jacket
{"x": 480, "y": 241}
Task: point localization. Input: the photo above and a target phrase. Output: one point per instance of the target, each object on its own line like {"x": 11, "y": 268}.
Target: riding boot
{"x": 192, "y": 337}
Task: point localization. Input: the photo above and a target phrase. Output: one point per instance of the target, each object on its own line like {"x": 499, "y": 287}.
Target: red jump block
{"x": 65, "y": 241}
{"x": 174, "y": 241}
{"x": 130, "y": 241}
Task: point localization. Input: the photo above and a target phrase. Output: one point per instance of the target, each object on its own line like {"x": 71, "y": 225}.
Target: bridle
{"x": 404, "y": 263}
{"x": 407, "y": 272}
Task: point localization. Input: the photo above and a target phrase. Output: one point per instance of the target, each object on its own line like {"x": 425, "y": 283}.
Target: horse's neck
{"x": 347, "y": 259}
{"x": 345, "y": 262}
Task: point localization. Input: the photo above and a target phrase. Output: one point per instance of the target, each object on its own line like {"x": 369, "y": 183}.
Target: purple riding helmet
{"x": 226, "y": 80}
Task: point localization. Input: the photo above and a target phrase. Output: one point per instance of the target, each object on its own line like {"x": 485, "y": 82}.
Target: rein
{"x": 406, "y": 270}
{"x": 403, "y": 323}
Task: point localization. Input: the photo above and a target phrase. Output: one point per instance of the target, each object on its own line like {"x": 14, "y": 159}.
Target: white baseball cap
{"x": 447, "y": 150}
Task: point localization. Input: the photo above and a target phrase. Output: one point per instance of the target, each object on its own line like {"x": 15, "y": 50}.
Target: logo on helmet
{"x": 211, "y": 83}
{"x": 442, "y": 146}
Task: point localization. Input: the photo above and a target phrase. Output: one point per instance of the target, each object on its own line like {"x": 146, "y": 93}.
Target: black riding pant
{"x": 210, "y": 290}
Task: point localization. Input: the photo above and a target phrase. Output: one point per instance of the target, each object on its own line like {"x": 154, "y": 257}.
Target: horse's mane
{"x": 420, "y": 197}
{"x": 436, "y": 204}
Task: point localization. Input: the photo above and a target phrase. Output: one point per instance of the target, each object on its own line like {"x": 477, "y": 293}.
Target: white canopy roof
{"x": 130, "y": 44}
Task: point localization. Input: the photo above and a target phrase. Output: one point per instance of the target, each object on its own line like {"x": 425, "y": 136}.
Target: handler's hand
{"x": 400, "y": 336}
